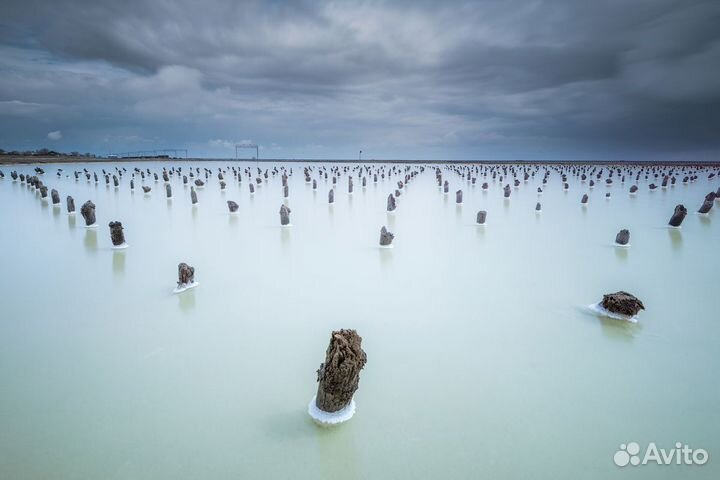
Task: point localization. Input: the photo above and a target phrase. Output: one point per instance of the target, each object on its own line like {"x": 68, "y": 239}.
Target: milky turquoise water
{"x": 483, "y": 361}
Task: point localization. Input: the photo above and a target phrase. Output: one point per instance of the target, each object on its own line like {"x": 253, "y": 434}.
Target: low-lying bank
{"x": 27, "y": 160}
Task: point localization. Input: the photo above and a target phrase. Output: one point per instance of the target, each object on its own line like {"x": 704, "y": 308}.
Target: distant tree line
{"x": 44, "y": 152}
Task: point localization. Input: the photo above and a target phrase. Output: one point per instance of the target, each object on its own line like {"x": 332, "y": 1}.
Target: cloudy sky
{"x": 564, "y": 79}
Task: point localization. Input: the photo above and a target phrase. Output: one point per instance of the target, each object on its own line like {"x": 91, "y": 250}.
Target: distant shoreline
{"x": 31, "y": 160}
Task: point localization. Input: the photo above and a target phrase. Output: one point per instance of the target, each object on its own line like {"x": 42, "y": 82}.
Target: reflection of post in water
{"x": 186, "y": 301}
{"x": 331, "y": 213}
{"x": 338, "y": 455}
{"x": 675, "y": 238}
{"x": 619, "y": 330}
{"x": 90, "y": 239}
{"x": 285, "y": 236}
{"x": 704, "y": 220}
{"x": 480, "y": 231}
{"x": 118, "y": 262}
{"x": 385, "y": 256}
{"x": 621, "y": 253}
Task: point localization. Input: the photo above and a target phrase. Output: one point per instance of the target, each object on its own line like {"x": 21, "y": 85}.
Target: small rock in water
{"x": 116, "y": 234}
{"x": 331, "y": 196}
{"x": 55, "y": 197}
{"x": 678, "y": 216}
{"x": 386, "y": 237}
{"x": 704, "y": 208}
{"x": 622, "y": 303}
{"x": 538, "y": 207}
{"x": 584, "y": 199}
{"x": 458, "y": 196}
{"x": 186, "y": 275}
{"x": 232, "y": 206}
{"x": 284, "y": 215}
{"x": 146, "y": 189}
{"x": 88, "y": 212}
{"x": 168, "y": 190}
{"x": 481, "y": 217}
{"x": 193, "y": 196}
{"x": 70, "y": 204}
{"x": 506, "y": 192}
{"x": 391, "y": 205}
{"x": 634, "y": 189}
{"x": 623, "y": 237}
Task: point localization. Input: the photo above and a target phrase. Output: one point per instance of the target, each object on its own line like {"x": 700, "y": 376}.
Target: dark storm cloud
{"x": 406, "y": 79}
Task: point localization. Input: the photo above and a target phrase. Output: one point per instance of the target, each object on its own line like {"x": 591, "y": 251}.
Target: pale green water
{"x": 482, "y": 361}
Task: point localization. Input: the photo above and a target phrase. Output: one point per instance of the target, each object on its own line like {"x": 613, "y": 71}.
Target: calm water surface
{"x": 483, "y": 361}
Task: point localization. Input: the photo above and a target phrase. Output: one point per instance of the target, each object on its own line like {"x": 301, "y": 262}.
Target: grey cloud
{"x": 402, "y": 79}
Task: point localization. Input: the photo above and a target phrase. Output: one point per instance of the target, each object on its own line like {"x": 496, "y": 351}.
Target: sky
{"x": 487, "y": 79}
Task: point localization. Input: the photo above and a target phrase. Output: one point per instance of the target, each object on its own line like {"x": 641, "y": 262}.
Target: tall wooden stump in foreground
{"x": 338, "y": 378}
